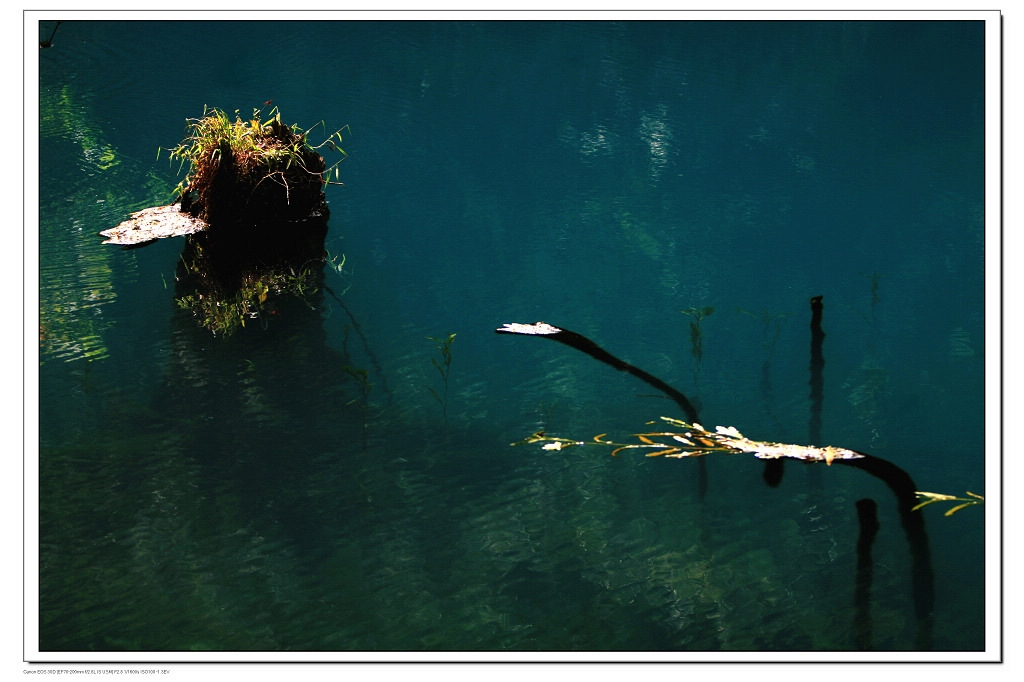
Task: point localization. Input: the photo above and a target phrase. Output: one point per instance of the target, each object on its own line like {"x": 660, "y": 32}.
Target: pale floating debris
{"x": 153, "y": 223}
{"x": 763, "y": 450}
{"x": 729, "y": 437}
{"x": 533, "y": 329}
{"x": 696, "y": 442}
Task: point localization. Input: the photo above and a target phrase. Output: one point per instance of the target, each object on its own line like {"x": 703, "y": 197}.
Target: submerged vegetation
{"x": 362, "y": 378}
{"x": 444, "y": 367}
{"x": 77, "y": 277}
{"x": 772, "y": 329}
{"x": 697, "y": 339}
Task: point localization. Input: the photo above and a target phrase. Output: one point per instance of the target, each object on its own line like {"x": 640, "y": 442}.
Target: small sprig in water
{"x": 930, "y": 498}
{"x": 444, "y": 366}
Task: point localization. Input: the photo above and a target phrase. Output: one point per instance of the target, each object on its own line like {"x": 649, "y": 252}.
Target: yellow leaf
{"x": 669, "y": 451}
{"x": 959, "y": 507}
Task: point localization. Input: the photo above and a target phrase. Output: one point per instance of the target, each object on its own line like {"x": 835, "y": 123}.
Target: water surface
{"x": 251, "y": 493}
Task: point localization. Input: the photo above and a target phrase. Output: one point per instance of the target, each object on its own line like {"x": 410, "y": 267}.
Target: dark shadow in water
{"x": 267, "y": 402}
{"x": 867, "y": 515}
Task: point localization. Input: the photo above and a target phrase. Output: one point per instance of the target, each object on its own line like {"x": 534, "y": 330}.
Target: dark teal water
{"x": 250, "y": 493}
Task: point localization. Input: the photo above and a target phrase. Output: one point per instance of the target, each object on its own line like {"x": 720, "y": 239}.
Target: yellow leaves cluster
{"x": 930, "y": 498}
{"x": 695, "y": 441}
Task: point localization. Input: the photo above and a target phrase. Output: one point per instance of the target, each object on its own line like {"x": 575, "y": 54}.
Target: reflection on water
{"x": 657, "y": 135}
{"x": 301, "y": 487}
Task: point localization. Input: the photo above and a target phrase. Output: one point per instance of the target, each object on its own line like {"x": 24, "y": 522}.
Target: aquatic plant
{"x": 362, "y": 377}
{"x": 697, "y": 339}
{"x": 876, "y": 278}
{"x": 771, "y": 330}
{"x": 337, "y": 265}
{"x": 772, "y": 323}
{"x": 444, "y": 367}
{"x": 696, "y": 332}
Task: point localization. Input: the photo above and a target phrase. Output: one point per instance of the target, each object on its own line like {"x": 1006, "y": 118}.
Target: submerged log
{"x": 585, "y": 345}
{"x": 253, "y": 213}
{"x": 154, "y": 223}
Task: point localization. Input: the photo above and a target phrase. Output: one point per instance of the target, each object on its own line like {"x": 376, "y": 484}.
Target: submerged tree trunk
{"x": 253, "y": 212}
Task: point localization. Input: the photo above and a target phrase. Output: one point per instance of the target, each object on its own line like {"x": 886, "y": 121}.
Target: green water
{"x": 250, "y": 493}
